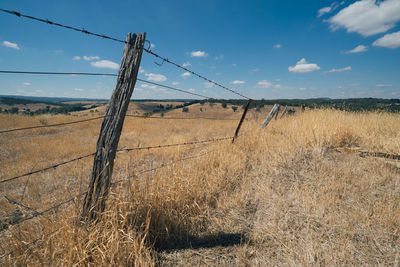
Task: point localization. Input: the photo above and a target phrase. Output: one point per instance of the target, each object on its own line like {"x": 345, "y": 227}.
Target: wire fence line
{"x": 102, "y": 74}
{"x": 50, "y": 125}
{"x": 100, "y": 117}
{"x": 19, "y": 14}
{"x": 41, "y": 213}
{"x": 119, "y": 150}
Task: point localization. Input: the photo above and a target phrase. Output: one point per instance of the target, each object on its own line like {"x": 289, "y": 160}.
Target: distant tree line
{"x": 351, "y": 104}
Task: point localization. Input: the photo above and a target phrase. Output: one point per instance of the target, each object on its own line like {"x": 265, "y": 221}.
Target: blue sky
{"x": 263, "y": 49}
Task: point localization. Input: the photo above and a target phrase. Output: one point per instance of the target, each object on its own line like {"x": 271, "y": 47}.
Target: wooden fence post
{"x": 277, "y": 112}
{"x": 270, "y": 115}
{"x": 283, "y": 112}
{"x": 241, "y": 120}
{"x": 107, "y": 143}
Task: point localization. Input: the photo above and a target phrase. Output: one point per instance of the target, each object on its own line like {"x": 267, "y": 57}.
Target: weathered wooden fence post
{"x": 283, "y": 112}
{"x": 241, "y": 120}
{"x": 107, "y": 143}
{"x": 271, "y": 114}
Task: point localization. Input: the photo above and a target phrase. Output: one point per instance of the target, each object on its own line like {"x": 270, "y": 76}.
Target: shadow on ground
{"x": 207, "y": 241}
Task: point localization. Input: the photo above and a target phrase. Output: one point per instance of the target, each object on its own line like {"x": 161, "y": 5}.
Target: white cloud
{"x": 152, "y": 45}
{"x": 302, "y": 89}
{"x": 27, "y": 84}
{"x": 185, "y": 74}
{"x": 383, "y": 85}
{"x": 11, "y": 45}
{"x": 90, "y": 58}
{"x": 191, "y": 90}
{"x": 254, "y": 70}
{"x": 278, "y": 46}
{"x": 105, "y": 64}
{"x": 264, "y": 84}
{"x": 76, "y": 58}
{"x": 238, "y": 82}
{"x": 234, "y": 65}
{"x": 148, "y": 86}
{"x": 186, "y": 64}
{"x": 155, "y": 77}
{"x": 78, "y": 89}
{"x": 367, "y": 17}
{"x": 208, "y": 84}
{"x": 198, "y": 54}
{"x": 175, "y": 83}
{"x": 141, "y": 70}
{"x": 303, "y": 67}
{"x": 358, "y": 49}
{"x": 220, "y": 57}
{"x": 341, "y": 70}
{"x": 324, "y": 10}
{"x": 391, "y": 40}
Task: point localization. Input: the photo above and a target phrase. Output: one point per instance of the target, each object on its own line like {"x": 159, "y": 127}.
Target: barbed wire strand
{"x": 19, "y": 14}
{"x": 50, "y": 125}
{"x": 45, "y": 169}
{"x": 101, "y": 74}
{"x": 119, "y": 150}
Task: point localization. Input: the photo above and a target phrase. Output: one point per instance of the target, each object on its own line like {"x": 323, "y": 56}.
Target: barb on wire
{"x": 122, "y": 41}
{"x": 50, "y": 125}
{"x": 46, "y": 169}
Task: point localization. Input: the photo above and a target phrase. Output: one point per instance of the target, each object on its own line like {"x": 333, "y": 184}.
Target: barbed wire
{"x": 173, "y": 145}
{"x": 37, "y": 214}
{"x": 50, "y": 125}
{"x": 180, "y": 118}
{"x": 194, "y": 73}
{"x": 119, "y": 150}
{"x": 18, "y": 14}
{"x": 101, "y": 74}
{"x": 45, "y": 169}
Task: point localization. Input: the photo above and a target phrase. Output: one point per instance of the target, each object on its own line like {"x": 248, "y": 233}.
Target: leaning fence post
{"x": 270, "y": 115}
{"x": 241, "y": 120}
{"x": 107, "y": 143}
{"x": 283, "y": 112}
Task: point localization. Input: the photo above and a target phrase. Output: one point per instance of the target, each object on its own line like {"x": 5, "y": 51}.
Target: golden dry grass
{"x": 283, "y": 195}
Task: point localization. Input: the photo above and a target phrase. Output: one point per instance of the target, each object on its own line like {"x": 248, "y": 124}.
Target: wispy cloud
{"x": 176, "y": 83}
{"x": 238, "y": 82}
{"x": 208, "y": 84}
{"x": 220, "y": 57}
{"x": 278, "y": 46}
{"x": 303, "y": 66}
{"x": 198, "y": 54}
{"x": 105, "y": 64}
{"x": 11, "y": 45}
{"x": 383, "y": 85}
{"x": 267, "y": 85}
{"x": 234, "y": 65}
{"x": 185, "y": 74}
{"x": 27, "y": 84}
{"x": 90, "y": 58}
{"x": 358, "y": 49}
{"x": 391, "y": 40}
{"x": 76, "y": 58}
{"x": 155, "y": 77}
{"x": 340, "y": 70}
{"x": 186, "y": 64}
{"x": 254, "y": 70}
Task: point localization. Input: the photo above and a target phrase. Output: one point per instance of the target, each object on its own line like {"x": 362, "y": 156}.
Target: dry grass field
{"x": 288, "y": 194}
